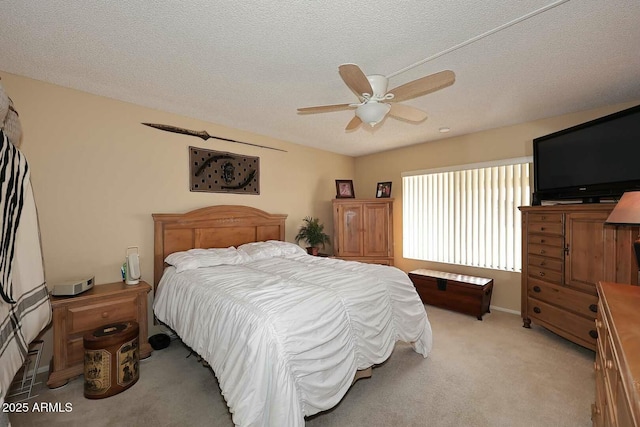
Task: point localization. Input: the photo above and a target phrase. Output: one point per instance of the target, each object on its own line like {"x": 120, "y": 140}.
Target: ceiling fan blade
{"x": 355, "y": 79}
{"x": 354, "y": 123}
{"x": 423, "y": 86}
{"x": 405, "y": 112}
{"x": 324, "y": 108}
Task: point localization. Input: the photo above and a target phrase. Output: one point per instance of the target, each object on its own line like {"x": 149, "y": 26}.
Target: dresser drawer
{"x": 88, "y": 317}
{"x": 601, "y": 394}
{"x": 551, "y": 228}
{"x": 545, "y": 217}
{"x": 542, "y": 239}
{"x": 546, "y": 250}
{"x": 548, "y": 263}
{"x": 545, "y": 274}
{"x": 565, "y": 298}
{"x": 611, "y": 372}
{"x": 570, "y": 323}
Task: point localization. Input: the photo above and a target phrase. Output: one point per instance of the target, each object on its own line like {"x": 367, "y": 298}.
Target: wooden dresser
{"x": 77, "y": 315}
{"x": 617, "y": 365}
{"x": 363, "y": 230}
{"x": 566, "y": 250}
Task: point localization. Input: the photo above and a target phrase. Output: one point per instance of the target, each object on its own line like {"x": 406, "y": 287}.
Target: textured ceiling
{"x": 250, "y": 64}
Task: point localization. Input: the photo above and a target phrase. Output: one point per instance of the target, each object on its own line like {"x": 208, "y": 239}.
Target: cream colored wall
{"x": 98, "y": 175}
{"x": 502, "y": 143}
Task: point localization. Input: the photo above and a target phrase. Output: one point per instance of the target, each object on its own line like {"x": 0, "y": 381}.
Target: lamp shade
{"x": 627, "y": 211}
{"x": 372, "y": 112}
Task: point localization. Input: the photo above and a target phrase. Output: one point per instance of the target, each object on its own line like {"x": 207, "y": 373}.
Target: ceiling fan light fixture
{"x": 373, "y": 112}
{"x": 373, "y": 97}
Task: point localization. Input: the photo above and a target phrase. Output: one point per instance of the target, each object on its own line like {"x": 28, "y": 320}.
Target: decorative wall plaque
{"x": 222, "y": 172}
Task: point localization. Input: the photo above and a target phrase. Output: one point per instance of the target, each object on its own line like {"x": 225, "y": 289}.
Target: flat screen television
{"x": 588, "y": 162}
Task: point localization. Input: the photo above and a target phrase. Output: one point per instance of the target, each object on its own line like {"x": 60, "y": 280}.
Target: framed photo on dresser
{"x": 383, "y": 190}
{"x": 344, "y": 189}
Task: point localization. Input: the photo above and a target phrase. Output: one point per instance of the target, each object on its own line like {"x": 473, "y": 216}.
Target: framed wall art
{"x": 344, "y": 189}
{"x": 383, "y": 190}
{"x": 221, "y": 172}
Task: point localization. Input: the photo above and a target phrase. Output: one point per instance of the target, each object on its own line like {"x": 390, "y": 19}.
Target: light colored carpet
{"x": 480, "y": 373}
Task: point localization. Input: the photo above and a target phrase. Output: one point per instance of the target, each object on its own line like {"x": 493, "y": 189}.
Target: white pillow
{"x": 182, "y": 261}
{"x": 288, "y": 248}
{"x": 198, "y": 258}
{"x": 260, "y": 250}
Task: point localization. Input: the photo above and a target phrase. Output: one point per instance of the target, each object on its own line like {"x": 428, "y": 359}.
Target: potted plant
{"x": 313, "y": 233}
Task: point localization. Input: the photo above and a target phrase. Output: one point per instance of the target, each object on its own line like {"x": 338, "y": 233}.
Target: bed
{"x": 285, "y": 333}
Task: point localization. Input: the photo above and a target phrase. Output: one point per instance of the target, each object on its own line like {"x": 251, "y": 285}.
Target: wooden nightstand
{"x": 75, "y": 316}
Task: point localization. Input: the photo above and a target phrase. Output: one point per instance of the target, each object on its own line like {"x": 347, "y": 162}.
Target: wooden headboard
{"x": 212, "y": 227}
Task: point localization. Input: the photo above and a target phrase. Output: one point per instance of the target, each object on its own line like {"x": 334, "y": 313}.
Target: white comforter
{"x": 285, "y": 334}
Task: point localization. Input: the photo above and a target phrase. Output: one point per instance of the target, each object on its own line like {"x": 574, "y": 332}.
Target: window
{"x": 466, "y": 215}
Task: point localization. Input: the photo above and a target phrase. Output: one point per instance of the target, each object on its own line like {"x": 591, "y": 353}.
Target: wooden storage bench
{"x": 466, "y": 294}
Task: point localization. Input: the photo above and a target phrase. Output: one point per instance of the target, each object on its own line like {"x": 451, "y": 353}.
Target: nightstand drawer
{"x": 87, "y": 317}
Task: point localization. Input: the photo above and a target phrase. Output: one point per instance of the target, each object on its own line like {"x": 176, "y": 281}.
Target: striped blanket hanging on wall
{"x": 13, "y": 176}
{"x": 24, "y": 307}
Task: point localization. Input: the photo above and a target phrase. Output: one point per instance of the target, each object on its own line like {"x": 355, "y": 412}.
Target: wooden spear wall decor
{"x": 221, "y": 172}
{"x": 204, "y": 135}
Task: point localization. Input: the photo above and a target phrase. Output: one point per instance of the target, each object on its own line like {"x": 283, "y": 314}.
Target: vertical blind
{"x": 466, "y": 216}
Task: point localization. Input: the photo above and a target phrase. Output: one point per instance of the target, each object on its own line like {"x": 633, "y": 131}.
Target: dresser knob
{"x": 542, "y": 251}
{"x": 105, "y": 314}
{"x": 594, "y": 308}
{"x": 541, "y": 240}
{"x": 536, "y": 310}
{"x": 542, "y": 274}
{"x": 593, "y": 334}
{"x": 536, "y": 289}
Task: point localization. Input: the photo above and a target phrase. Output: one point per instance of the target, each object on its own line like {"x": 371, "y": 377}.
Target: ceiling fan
{"x": 376, "y": 102}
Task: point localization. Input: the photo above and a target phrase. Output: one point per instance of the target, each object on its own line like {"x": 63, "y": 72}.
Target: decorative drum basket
{"x": 111, "y": 357}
